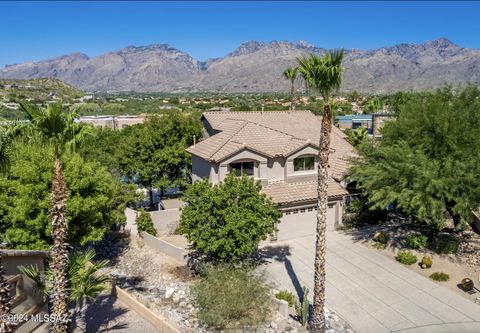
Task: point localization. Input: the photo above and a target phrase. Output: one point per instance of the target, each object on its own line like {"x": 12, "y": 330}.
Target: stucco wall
{"x": 166, "y": 221}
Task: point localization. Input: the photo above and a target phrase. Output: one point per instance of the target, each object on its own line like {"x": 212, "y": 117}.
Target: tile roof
{"x": 282, "y": 193}
{"x": 270, "y": 133}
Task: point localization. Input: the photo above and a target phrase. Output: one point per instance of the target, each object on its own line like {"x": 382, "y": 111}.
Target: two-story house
{"x": 279, "y": 149}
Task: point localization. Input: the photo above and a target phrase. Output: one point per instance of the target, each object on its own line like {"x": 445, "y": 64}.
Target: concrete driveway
{"x": 370, "y": 291}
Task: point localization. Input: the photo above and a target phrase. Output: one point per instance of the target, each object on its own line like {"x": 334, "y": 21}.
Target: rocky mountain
{"x": 256, "y": 67}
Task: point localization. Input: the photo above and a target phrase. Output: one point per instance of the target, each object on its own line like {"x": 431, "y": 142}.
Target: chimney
{"x": 263, "y": 107}
{"x": 194, "y": 141}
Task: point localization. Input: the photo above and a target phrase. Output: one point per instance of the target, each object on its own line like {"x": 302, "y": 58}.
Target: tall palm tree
{"x": 322, "y": 75}
{"x": 291, "y": 74}
{"x": 52, "y": 126}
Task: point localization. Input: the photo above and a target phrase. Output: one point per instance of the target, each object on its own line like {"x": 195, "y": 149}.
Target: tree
{"x": 85, "y": 281}
{"x": 291, "y": 74}
{"x": 96, "y": 200}
{"x": 52, "y": 126}
{"x": 427, "y": 162}
{"x": 324, "y": 76}
{"x": 154, "y": 153}
{"x": 374, "y": 104}
{"x": 227, "y": 221}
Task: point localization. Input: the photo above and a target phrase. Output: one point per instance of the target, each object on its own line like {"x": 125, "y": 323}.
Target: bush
{"x": 145, "y": 223}
{"x": 416, "y": 241}
{"x": 406, "y": 257}
{"x": 231, "y": 298}
{"x": 427, "y": 262}
{"x": 439, "y": 276}
{"x": 227, "y": 221}
{"x": 287, "y": 296}
{"x": 445, "y": 244}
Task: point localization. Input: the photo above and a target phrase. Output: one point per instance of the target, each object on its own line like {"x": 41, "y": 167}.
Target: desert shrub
{"x": 303, "y": 309}
{"x": 427, "y": 262}
{"x": 145, "y": 223}
{"x": 381, "y": 237}
{"x": 440, "y": 276}
{"x": 380, "y": 246}
{"x": 287, "y": 296}
{"x": 416, "y": 241}
{"x": 445, "y": 243}
{"x": 406, "y": 257}
{"x": 231, "y": 298}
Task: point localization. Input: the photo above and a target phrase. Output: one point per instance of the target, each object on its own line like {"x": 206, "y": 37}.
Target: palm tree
{"x": 291, "y": 74}
{"x": 322, "y": 75}
{"x": 85, "y": 281}
{"x": 356, "y": 137}
{"x": 50, "y": 125}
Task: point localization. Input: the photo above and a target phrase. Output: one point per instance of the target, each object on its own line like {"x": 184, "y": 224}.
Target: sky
{"x": 33, "y": 31}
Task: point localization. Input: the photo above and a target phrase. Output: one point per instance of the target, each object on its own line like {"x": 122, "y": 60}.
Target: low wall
{"x": 171, "y": 250}
{"x": 166, "y": 221}
{"x": 159, "y": 322}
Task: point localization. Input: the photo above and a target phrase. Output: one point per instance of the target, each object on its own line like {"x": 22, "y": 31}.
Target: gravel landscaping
{"x": 162, "y": 284}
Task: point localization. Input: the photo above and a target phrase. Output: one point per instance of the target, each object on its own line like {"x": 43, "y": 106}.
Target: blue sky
{"x": 39, "y": 30}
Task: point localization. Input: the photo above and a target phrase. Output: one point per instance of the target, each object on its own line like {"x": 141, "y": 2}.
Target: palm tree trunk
{"x": 293, "y": 102}
{"x": 317, "y": 320}
{"x": 5, "y": 302}
{"x": 59, "y": 296}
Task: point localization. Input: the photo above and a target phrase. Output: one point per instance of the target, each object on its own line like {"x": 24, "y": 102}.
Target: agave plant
{"x": 84, "y": 281}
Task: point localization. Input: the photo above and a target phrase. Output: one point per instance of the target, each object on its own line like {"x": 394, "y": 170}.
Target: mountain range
{"x": 256, "y": 67}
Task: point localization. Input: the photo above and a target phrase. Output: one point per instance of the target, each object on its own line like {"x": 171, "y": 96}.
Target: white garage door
{"x": 302, "y": 223}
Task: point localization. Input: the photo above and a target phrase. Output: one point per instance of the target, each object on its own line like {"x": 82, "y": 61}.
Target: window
{"x": 303, "y": 163}
{"x": 242, "y": 168}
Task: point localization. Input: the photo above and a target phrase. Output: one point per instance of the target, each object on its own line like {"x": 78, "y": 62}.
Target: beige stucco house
{"x": 280, "y": 150}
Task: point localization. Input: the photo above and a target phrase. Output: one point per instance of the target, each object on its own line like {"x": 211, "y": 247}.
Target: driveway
{"x": 370, "y": 291}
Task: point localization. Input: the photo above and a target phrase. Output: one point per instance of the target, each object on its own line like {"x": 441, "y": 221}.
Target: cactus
{"x": 303, "y": 308}
{"x": 427, "y": 262}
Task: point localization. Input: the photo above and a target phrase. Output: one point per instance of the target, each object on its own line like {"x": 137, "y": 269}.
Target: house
{"x": 277, "y": 148}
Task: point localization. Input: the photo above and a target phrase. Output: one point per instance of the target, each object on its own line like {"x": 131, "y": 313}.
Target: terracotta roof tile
{"x": 282, "y": 192}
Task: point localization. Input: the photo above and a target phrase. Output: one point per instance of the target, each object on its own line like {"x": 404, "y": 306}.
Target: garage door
{"x": 300, "y": 223}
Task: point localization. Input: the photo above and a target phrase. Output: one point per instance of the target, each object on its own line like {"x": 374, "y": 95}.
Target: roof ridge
{"x": 229, "y": 138}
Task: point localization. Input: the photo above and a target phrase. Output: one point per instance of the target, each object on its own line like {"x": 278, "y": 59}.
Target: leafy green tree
{"x": 322, "y": 75}
{"x": 96, "y": 201}
{"x": 154, "y": 153}
{"x": 227, "y": 221}
{"x": 428, "y": 161}
{"x": 373, "y": 105}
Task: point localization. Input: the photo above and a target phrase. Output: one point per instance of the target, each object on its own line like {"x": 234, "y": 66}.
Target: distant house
{"x": 372, "y": 122}
{"x": 113, "y": 122}
{"x": 277, "y": 148}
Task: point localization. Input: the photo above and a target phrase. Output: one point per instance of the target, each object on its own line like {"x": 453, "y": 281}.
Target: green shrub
{"x": 427, "y": 262}
{"x": 440, "y": 276}
{"x": 406, "y": 257}
{"x": 416, "y": 241}
{"x": 287, "y": 296}
{"x": 445, "y": 244}
{"x": 145, "y": 223}
{"x": 232, "y": 298}
{"x": 303, "y": 309}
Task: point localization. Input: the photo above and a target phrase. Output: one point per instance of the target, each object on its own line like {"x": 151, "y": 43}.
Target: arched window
{"x": 242, "y": 168}
{"x": 304, "y": 163}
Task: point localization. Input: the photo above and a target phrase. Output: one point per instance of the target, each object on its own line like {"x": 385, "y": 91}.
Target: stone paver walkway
{"x": 370, "y": 291}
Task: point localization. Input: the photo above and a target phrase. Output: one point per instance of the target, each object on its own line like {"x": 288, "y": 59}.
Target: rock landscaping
{"x": 163, "y": 285}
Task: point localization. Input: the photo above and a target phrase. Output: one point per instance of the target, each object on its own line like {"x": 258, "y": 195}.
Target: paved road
{"x": 370, "y": 291}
